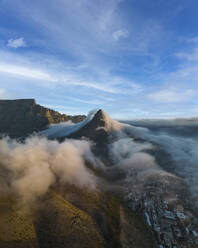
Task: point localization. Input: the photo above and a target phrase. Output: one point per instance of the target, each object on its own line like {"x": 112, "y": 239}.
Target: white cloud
{"x": 170, "y": 96}
{"x": 77, "y": 19}
{"x": 60, "y": 78}
{"x": 25, "y": 72}
{"x": 122, "y": 33}
{"x": 16, "y": 43}
{"x": 50, "y": 72}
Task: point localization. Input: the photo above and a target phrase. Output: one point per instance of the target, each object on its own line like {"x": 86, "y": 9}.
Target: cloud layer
{"x": 34, "y": 166}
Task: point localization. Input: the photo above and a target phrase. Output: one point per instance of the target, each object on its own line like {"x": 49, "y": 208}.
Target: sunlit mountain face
{"x": 149, "y": 167}
{"x": 155, "y": 163}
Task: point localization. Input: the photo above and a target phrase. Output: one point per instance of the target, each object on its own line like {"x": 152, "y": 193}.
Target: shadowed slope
{"x": 94, "y": 129}
{"x": 19, "y": 118}
{"x": 16, "y": 227}
{"x": 61, "y": 224}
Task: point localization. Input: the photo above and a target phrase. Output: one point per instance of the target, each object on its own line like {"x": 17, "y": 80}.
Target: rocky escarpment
{"x": 98, "y": 130}
{"x": 94, "y": 129}
{"x": 19, "y": 118}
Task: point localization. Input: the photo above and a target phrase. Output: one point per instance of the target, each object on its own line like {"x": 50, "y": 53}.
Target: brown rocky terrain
{"x": 19, "y": 118}
{"x": 66, "y": 216}
{"x": 72, "y": 218}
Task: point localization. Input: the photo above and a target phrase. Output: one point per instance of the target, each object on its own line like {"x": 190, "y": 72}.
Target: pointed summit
{"x": 99, "y": 119}
{"x": 97, "y": 129}
{"x": 100, "y": 114}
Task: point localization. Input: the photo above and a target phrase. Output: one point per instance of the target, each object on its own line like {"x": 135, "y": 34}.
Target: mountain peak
{"x": 99, "y": 119}
{"x": 97, "y": 127}
{"x": 27, "y": 102}
{"x": 100, "y": 112}
{"x": 21, "y": 117}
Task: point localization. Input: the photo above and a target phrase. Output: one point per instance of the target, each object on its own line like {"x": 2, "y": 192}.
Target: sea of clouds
{"x": 31, "y": 167}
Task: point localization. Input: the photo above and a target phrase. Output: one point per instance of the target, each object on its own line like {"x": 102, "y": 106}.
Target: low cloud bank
{"x": 127, "y": 154}
{"x": 184, "y": 154}
{"x": 133, "y": 157}
{"x": 131, "y": 152}
{"x": 38, "y": 163}
{"x": 65, "y": 128}
{"x": 174, "y": 122}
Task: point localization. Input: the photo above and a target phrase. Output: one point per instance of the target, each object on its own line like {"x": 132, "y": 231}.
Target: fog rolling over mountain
{"x": 102, "y": 183}
{"x": 181, "y": 149}
{"x": 157, "y": 159}
{"x": 179, "y": 138}
{"x": 177, "y": 126}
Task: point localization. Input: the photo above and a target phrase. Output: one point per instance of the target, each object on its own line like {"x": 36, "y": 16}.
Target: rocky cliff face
{"x": 19, "y": 118}
{"x": 94, "y": 130}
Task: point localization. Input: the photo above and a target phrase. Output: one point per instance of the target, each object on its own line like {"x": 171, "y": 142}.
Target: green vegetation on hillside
{"x": 61, "y": 224}
{"x": 16, "y": 227}
{"x": 72, "y": 217}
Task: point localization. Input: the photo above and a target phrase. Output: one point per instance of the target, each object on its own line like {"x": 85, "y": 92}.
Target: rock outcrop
{"x": 19, "y": 118}
{"x": 94, "y": 130}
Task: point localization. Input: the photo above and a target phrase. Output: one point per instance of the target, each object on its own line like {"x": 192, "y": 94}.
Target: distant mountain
{"x": 19, "y": 118}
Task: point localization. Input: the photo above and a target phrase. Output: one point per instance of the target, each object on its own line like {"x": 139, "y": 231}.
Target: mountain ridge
{"x": 22, "y": 117}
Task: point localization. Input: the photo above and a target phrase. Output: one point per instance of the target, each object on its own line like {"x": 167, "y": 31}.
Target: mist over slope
{"x": 179, "y": 138}
{"x": 125, "y": 147}
{"x": 136, "y": 163}
{"x": 37, "y": 164}
{"x": 127, "y": 151}
{"x": 59, "y": 184}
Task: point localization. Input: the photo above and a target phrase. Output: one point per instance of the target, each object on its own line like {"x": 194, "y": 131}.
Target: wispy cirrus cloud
{"x": 47, "y": 74}
{"x": 24, "y": 72}
{"x": 190, "y": 56}
{"x": 171, "y": 95}
{"x": 92, "y": 50}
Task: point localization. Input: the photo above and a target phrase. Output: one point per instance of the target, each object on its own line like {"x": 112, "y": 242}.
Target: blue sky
{"x": 132, "y": 58}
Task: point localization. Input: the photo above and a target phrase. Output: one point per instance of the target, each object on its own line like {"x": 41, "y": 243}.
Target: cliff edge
{"x": 21, "y": 117}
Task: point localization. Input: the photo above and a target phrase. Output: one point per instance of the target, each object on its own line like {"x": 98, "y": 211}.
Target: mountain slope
{"x": 62, "y": 224}
{"x": 94, "y": 129}
{"x": 17, "y": 229}
{"x": 72, "y": 217}
{"x": 82, "y": 218}
{"x": 19, "y": 118}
